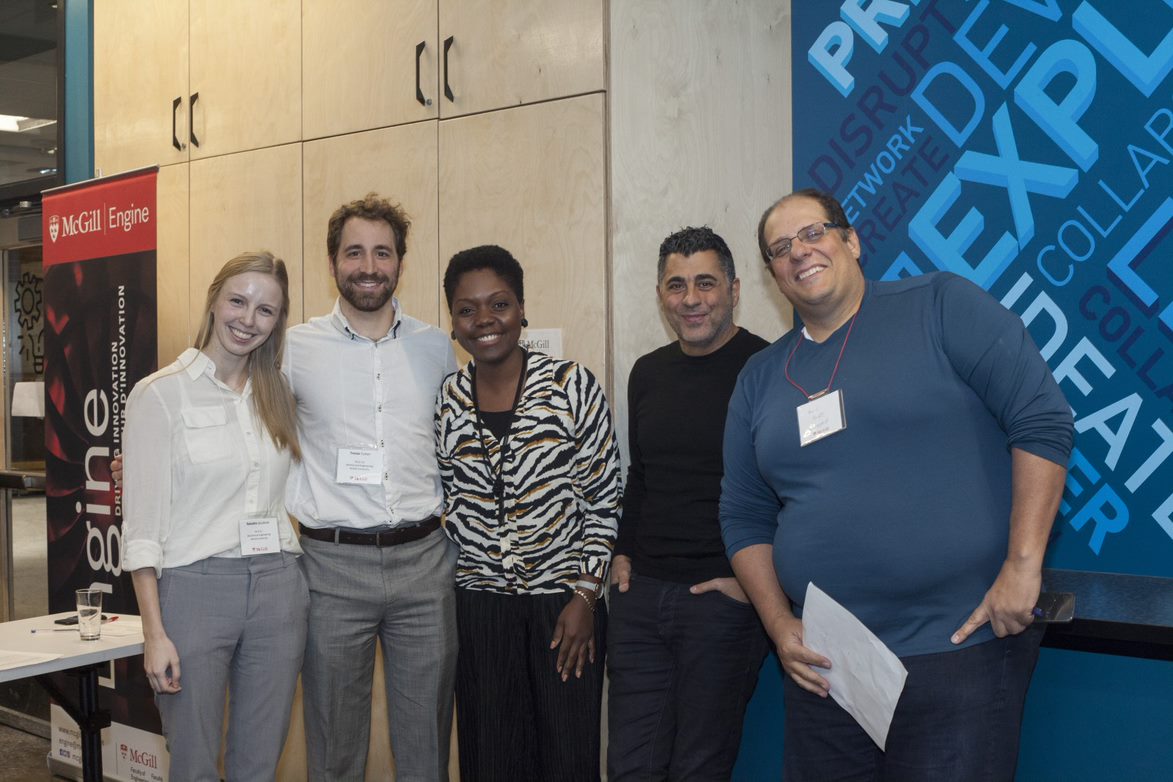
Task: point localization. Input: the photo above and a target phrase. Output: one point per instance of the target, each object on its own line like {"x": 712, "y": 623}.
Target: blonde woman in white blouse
{"x": 209, "y": 440}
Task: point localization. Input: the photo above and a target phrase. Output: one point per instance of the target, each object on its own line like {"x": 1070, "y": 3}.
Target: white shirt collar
{"x": 196, "y": 363}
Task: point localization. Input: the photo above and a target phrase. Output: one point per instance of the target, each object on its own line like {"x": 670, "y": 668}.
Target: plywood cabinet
{"x": 367, "y": 64}
{"x": 140, "y": 84}
{"x": 177, "y": 81}
{"x": 500, "y": 53}
{"x": 246, "y": 71}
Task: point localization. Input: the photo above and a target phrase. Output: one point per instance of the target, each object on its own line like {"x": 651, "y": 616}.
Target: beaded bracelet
{"x": 587, "y": 596}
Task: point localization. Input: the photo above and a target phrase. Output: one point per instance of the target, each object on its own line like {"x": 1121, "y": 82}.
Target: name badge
{"x": 821, "y": 417}
{"x": 259, "y": 535}
{"x": 359, "y": 465}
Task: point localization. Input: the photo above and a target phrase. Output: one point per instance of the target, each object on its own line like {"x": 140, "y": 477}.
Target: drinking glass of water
{"x": 89, "y": 614}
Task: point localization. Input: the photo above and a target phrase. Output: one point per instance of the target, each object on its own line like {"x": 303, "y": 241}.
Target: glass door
{"x": 22, "y": 498}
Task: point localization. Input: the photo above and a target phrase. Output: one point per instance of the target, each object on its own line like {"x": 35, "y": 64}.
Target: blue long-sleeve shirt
{"x": 903, "y": 517}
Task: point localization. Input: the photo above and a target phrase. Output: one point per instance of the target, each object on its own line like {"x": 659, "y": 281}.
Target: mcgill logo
{"x": 138, "y": 756}
{"x": 54, "y": 227}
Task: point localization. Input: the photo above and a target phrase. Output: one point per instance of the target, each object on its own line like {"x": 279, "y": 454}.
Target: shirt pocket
{"x": 205, "y": 432}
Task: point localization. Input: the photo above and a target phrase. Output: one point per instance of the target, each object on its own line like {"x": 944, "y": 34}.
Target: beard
{"x": 364, "y": 299}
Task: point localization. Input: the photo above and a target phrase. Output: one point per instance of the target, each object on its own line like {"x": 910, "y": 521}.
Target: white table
{"x": 81, "y": 658}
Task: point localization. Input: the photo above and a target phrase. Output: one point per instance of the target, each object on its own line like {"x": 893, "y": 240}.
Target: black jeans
{"x": 958, "y": 719}
{"x": 682, "y": 669}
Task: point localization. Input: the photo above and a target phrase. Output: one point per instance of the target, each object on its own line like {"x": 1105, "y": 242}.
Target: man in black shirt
{"x": 685, "y": 645}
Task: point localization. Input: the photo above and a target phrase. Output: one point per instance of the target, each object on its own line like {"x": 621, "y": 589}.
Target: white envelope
{"x": 866, "y": 678}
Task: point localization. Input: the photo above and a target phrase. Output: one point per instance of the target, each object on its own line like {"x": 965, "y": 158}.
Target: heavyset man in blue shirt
{"x": 905, "y": 451}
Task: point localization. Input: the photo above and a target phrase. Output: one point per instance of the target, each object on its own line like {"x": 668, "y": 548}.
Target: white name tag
{"x": 359, "y": 465}
{"x": 259, "y": 535}
{"x": 821, "y": 417}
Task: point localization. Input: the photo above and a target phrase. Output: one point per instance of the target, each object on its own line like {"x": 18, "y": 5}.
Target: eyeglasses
{"x": 809, "y": 235}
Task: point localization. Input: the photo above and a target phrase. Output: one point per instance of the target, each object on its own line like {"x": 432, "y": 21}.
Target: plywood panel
{"x": 246, "y": 201}
{"x": 399, "y": 164}
{"x": 509, "y": 52}
{"x": 533, "y": 180}
{"x": 140, "y": 67}
{"x": 246, "y": 67}
{"x": 173, "y": 266}
{"x": 700, "y": 134}
{"x": 359, "y": 64}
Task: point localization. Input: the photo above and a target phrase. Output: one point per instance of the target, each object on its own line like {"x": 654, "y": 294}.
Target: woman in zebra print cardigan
{"x": 531, "y": 478}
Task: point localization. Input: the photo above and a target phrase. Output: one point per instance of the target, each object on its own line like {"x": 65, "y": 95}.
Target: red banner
{"x": 100, "y": 339}
{"x": 100, "y": 219}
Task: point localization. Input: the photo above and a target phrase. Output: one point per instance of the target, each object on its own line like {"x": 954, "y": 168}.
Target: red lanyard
{"x": 834, "y": 372}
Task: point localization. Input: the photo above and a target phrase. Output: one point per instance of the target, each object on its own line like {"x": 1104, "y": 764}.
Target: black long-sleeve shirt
{"x": 676, "y": 424}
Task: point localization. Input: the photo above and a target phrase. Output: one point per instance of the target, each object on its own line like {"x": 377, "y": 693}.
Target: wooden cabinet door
{"x": 367, "y": 64}
{"x": 397, "y": 163}
{"x": 533, "y": 180}
{"x": 247, "y": 201}
{"x": 246, "y": 70}
{"x": 173, "y": 263}
{"x": 140, "y": 84}
{"x": 508, "y": 52}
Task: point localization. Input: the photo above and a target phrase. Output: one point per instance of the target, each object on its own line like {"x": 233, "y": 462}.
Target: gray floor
{"x": 23, "y": 755}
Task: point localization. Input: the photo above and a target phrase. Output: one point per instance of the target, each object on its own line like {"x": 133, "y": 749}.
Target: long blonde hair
{"x": 272, "y": 397}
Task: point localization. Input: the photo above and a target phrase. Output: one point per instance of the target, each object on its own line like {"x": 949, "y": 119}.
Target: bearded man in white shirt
{"x": 367, "y": 496}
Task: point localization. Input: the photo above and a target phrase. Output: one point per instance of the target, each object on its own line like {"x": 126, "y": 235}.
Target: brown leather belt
{"x": 389, "y": 537}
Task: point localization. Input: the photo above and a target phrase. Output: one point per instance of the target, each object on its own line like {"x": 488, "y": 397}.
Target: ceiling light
{"x": 14, "y": 124}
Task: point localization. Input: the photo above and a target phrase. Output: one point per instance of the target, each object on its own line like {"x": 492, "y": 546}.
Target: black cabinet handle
{"x": 447, "y": 88}
{"x": 419, "y": 94}
{"x": 191, "y": 119}
{"x": 174, "y": 137}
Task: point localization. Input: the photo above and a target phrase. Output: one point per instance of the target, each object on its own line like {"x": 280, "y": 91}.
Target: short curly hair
{"x": 689, "y": 241}
{"x": 488, "y": 256}
{"x": 370, "y": 207}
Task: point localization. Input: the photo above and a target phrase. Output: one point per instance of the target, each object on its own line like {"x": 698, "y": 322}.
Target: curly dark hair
{"x": 487, "y": 256}
{"x": 369, "y": 207}
{"x": 689, "y": 241}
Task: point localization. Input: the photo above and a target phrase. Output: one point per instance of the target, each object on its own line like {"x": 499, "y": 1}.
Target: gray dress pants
{"x": 239, "y": 626}
{"x": 401, "y": 596}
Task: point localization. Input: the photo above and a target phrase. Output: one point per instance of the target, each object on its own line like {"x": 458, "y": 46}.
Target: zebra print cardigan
{"x": 558, "y": 515}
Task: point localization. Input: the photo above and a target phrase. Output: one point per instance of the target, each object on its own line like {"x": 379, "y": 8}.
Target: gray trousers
{"x": 239, "y": 626}
{"x": 403, "y": 596}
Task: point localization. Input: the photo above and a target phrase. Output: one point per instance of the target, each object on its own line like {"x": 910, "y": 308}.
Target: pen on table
{"x": 67, "y": 629}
